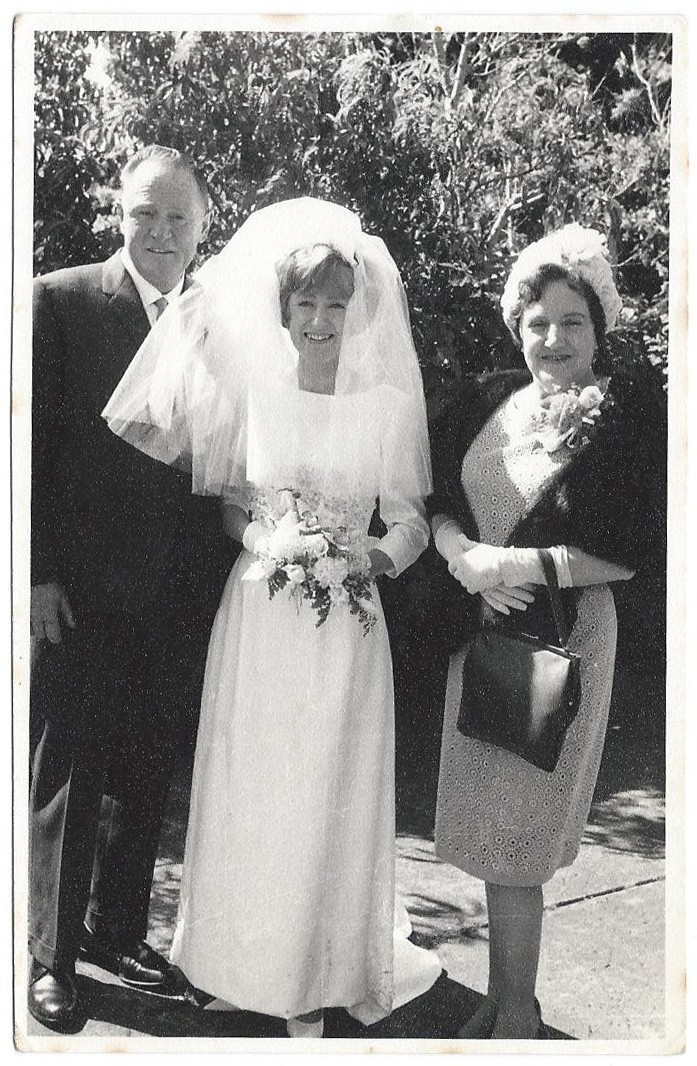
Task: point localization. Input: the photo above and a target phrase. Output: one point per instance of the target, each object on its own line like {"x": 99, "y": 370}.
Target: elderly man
{"x": 127, "y": 571}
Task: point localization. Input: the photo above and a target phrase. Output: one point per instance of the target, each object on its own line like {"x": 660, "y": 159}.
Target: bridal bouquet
{"x": 569, "y": 418}
{"x": 314, "y": 563}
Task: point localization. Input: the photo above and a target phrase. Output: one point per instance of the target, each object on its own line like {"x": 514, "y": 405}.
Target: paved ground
{"x": 602, "y": 965}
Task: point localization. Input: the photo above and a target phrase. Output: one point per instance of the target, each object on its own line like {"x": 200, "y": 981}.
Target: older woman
{"x": 561, "y": 456}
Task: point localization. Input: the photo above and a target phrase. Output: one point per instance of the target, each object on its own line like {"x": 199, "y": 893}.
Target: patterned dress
{"x": 498, "y": 817}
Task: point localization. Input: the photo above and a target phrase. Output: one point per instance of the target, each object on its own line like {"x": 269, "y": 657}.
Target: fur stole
{"x": 609, "y": 500}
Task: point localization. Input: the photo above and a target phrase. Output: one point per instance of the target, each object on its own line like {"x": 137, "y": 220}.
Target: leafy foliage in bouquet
{"x": 315, "y": 563}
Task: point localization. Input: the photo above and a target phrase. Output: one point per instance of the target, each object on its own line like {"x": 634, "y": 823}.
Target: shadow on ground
{"x": 627, "y": 816}
{"x": 437, "y": 1015}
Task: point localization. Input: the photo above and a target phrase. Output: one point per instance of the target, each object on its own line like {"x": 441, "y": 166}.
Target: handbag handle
{"x": 558, "y": 611}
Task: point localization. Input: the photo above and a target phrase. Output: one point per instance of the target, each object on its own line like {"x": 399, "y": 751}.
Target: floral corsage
{"x": 570, "y": 418}
{"x": 314, "y": 563}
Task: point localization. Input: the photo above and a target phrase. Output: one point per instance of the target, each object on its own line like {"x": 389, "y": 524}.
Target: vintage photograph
{"x": 341, "y": 455}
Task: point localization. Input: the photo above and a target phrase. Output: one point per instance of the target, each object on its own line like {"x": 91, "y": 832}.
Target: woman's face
{"x": 316, "y": 317}
{"x": 558, "y": 338}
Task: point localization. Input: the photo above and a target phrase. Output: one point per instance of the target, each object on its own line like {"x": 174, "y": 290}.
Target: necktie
{"x": 160, "y": 305}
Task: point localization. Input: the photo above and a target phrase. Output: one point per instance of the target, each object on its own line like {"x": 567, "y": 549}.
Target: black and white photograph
{"x": 349, "y": 471}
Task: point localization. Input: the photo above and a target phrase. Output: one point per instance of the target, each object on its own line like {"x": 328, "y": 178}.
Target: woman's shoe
{"x": 479, "y": 1028}
{"x": 307, "y": 1026}
{"x": 541, "y": 1027}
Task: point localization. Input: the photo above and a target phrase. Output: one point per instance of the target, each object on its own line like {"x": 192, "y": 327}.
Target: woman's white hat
{"x": 582, "y": 251}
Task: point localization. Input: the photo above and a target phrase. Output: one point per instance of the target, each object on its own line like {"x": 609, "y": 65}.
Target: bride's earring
{"x": 307, "y": 1026}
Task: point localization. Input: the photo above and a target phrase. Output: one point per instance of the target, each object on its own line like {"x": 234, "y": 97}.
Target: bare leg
{"x": 515, "y": 931}
{"x": 481, "y": 1025}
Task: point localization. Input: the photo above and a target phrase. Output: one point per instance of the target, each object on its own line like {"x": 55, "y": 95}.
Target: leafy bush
{"x": 457, "y": 151}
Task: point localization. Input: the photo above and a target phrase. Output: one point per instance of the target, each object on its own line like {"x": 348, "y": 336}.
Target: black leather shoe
{"x": 133, "y": 961}
{"x": 52, "y": 999}
{"x": 542, "y": 1033}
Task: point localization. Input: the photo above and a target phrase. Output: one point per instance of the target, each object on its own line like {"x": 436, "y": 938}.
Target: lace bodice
{"x": 348, "y": 514}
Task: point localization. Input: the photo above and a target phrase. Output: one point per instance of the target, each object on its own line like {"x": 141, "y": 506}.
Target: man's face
{"x": 163, "y": 219}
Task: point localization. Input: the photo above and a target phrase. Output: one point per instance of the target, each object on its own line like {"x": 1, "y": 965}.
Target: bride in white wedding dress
{"x": 289, "y": 385}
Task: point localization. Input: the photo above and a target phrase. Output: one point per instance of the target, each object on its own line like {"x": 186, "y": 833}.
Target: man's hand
{"x": 49, "y": 608}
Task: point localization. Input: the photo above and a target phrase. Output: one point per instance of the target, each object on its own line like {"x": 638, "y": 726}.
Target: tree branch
{"x": 658, "y": 117}
{"x": 461, "y": 71}
{"x": 439, "y": 48}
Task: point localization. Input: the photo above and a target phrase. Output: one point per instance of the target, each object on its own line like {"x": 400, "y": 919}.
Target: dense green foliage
{"x": 456, "y": 149}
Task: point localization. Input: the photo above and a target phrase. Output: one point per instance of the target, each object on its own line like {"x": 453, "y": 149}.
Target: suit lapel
{"x": 129, "y": 324}
{"x": 129, "y": 320}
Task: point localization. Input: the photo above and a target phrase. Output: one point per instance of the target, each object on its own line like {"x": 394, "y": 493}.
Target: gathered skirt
{"x": 287, "y": 901}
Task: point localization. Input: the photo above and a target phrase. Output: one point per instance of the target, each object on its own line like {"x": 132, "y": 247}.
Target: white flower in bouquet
{"x": 290, "y": 540}
{"x": 359, "y": 563}
{"x": 296, "y": 573}
{"x": 338, "y": 595}
{"x": 330, "y": 573}
{"x": 260, "y": 570}
{"x": 313, "y": 544}
{"x": 314, "y": 561}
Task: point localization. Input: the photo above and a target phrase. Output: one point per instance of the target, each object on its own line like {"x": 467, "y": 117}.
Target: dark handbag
{"x": 518, "y": 692}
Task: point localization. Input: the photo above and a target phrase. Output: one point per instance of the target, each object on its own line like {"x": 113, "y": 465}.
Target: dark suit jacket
{"x": 119, "y": 531}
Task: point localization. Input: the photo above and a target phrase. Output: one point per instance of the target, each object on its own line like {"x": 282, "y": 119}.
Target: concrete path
{"x": 602, "y": 965}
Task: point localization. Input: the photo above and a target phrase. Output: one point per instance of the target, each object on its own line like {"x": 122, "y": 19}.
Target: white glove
{"x": 478, "y": 566}
{"x": 504, "y": 599}
{"x": 481, "y": 567}
{"x": 521, "y": 566}
{"x": 253, "y": 536}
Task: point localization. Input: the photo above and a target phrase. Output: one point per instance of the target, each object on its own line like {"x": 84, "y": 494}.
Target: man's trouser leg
{"x": 63, "y": 813}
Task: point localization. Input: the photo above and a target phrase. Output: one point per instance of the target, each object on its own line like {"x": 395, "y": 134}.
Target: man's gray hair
{"x": 168, "y": 155}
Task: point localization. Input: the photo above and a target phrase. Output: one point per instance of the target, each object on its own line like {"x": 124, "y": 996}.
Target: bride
{"x": 287, "y": 382}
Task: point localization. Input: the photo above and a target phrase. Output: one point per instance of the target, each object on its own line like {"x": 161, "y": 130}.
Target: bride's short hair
{"x": 304, "y": 268}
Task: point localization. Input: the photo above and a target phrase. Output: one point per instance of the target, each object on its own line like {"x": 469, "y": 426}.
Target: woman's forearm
{"x": 575, "y": 568}
{"x": 588, "y": 569}
{"x": 479, "y": 567}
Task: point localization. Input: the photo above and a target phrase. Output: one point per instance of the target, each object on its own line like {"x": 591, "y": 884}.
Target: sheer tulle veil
{"x": 186, "y": 396}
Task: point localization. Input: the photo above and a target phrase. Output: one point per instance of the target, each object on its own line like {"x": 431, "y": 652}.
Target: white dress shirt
{"x": 149, "y": 295}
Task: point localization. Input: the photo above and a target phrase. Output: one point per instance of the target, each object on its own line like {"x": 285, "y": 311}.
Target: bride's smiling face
{"x": 316, "y": 318}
